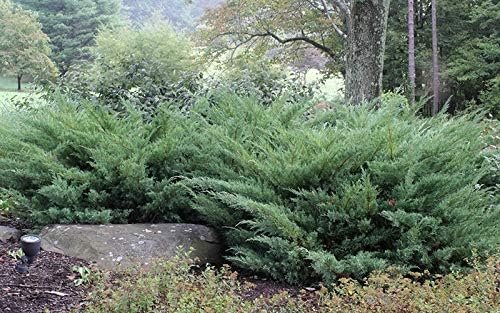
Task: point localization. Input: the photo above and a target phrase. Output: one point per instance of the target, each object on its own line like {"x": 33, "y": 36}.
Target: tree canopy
{"x": 181, "y": 14}
{"x": 283, "y": 30}
{"x": 24, "y": 48}
{"x": 259, "y": 26}
{"x": 348, "y": 32}
{"x": 146, "y": 66}
{"x": 72, "y": 25}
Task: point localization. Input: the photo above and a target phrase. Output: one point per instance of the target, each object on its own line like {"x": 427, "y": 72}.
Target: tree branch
{"x": 335, "y": 27}
{"x": 268, "y": 33}
{"x": 299, "y": 38}
{"x": 342, "y": 6}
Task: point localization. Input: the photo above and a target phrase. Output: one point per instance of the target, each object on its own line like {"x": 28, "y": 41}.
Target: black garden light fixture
{"x": 31, "y": 247}
{"x": 30, "y": 244}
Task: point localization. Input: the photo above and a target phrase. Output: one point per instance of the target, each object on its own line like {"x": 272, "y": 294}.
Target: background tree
{"x": 411, "y": 48}
{"x": 435, "y": 60}
{"x": 72, "y": 25}
{"x": 183, "y": 15}
{"x": 146, "y": 66}
{"x": 366, "y": 33}
{"x": 346, "y": 31}
{"x": 24, "y": 48}
{"x": 472, "y": 71}
{"x": 469, "y": 56}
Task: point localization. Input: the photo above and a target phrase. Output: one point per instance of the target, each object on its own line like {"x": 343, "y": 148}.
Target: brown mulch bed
{"x": 267, "y": 288}
{"x": 49, "y": 284}
{"x": 13, "y": 222}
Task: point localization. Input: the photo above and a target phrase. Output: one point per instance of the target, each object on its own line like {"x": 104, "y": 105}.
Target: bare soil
{"x": 49, "y": 284}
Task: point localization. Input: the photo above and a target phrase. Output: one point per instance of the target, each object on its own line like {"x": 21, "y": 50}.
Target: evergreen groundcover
{"x": 298, "y": 195}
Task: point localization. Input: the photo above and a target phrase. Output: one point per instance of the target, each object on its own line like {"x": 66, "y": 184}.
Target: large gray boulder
{"x": 8, "y": 233}
{"x": 119, "y": 246}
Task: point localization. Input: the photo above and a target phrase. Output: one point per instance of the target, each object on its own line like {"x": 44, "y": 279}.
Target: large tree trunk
{"x": 19, "y": 77}
{"x": 435, "y": 61}
{"x": 367, "y": 26}
{"x": 411, "y": 49}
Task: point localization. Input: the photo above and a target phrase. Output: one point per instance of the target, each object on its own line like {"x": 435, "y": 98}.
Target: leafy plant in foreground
{"x": 82, "y": 164}
{"x": 174, "y": 286}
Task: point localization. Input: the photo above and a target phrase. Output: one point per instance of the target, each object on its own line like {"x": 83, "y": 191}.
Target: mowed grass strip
{"x": 9, "y": 93}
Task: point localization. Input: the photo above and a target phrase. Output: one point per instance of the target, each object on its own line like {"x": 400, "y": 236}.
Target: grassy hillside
{"x": 332, "y": 88}
{"x": 9, "y": 93}
{"x": 10, "y": 84}
{"x": 7, "y": 84}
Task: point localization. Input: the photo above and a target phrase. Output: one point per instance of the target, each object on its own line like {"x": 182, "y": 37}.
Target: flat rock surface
{"x": 120, "y": 246}
{"x": 9, "y": 233}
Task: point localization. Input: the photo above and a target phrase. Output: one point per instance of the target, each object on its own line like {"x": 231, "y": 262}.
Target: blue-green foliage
{"x": 349, "y": 191}
{"x": 72, "y": 163}
{"x": 298, "y": 195}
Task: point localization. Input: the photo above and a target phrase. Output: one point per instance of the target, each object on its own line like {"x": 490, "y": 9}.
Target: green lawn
{"x": 332, "y": 88}
{"x": 10, "y": 84}
{"x": 7, "y": 83}
{"x": 9, "y": 93}
{"x": 9, "y": 96}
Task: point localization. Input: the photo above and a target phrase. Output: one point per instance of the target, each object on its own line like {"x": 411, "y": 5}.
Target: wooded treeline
{"x": 466, "y": 47}
{"x": 349, "y": 37}
{"x": 469, "y": 51}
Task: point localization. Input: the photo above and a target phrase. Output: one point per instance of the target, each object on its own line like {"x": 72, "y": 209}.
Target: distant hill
{"x": 182, "y": 14}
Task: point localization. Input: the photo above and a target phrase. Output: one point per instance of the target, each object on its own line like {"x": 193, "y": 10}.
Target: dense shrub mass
{"x": 69, "y": 164}
{"x": 153, "y": 66}
{"x": 263, "y": 80}
{"x": 298, "y": 195}
{"x": 146, "y": 67}
{"x": 173, "y": 287}
{"x": 348, "y": 192}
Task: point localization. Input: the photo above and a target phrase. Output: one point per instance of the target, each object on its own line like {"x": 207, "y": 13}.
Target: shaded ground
{"x": 48, "y": 285}
{"x": 50, "y": 282}
{"x": 268, "y": 288}
{"x": 14, "y": 223}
